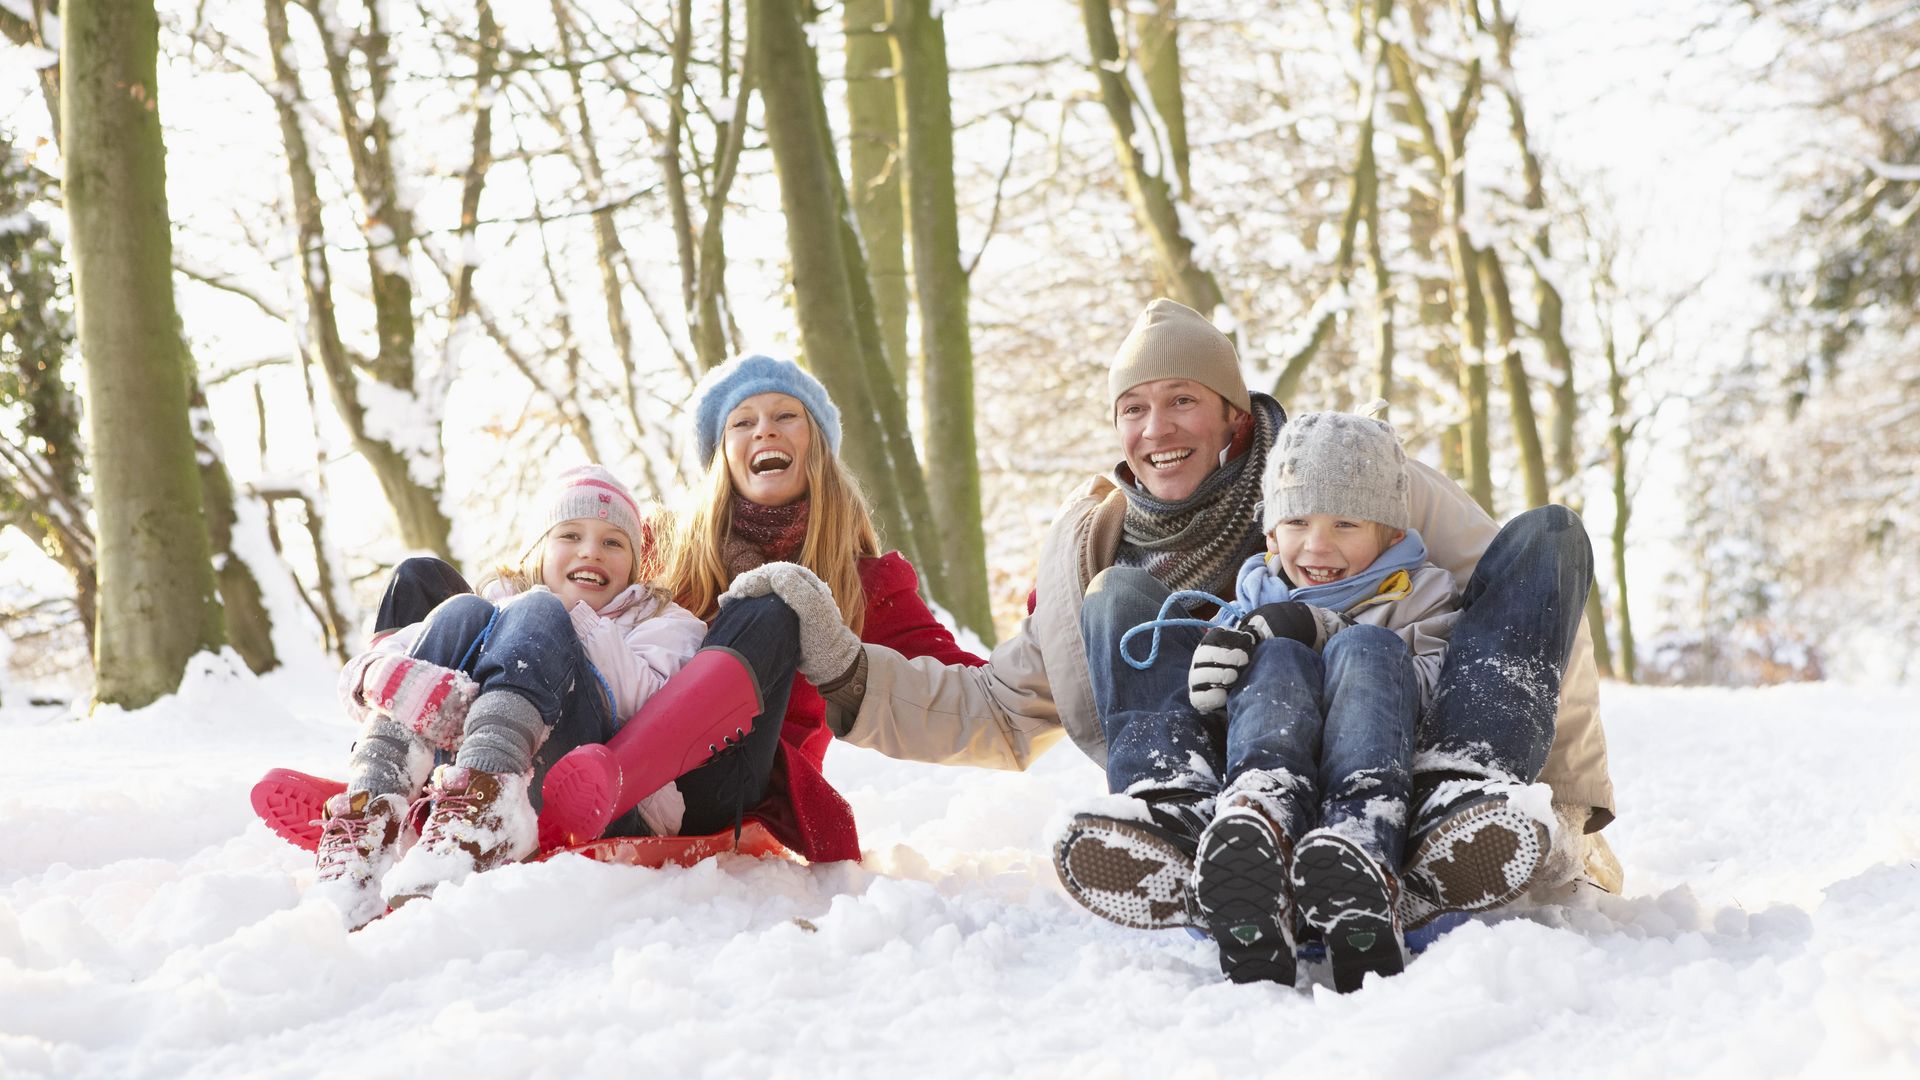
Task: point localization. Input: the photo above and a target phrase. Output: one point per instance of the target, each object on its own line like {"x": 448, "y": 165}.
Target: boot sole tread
{"x": 1342, "y": 893}
{"x": 1240, "y": 887}
{"x": 1125, "y": 872}
{"x": 1481, "y": 857}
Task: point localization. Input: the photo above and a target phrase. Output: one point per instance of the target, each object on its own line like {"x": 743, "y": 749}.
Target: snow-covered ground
{"x": 149, "y": 927}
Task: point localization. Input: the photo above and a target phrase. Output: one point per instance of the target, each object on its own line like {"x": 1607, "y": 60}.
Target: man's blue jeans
{"x": 1342, "y": 721}
{"x": 1156, "y": 741}
{"x": 1499, "y": 693}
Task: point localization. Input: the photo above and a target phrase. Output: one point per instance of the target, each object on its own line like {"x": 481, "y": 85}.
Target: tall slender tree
{"x": 839, "y": 331}
{"x": 157, "y": 600}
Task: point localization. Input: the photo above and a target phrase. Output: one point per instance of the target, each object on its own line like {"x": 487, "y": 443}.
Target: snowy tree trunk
{"x": 1363, "y": 207}
{"x": 874, "y": 176}
{"x": 1526, "y": 429}
{"x": 22, "y": 30}
{"x": 943, "y": 288}
{"x": 1147, "y": 168}
{"x": 157, "y": 601}
{"x": 1156, "y": 37}
{"x": 833, "y": 300}
{"x": 249, "y": 624}
{"x": 412, "y": 493}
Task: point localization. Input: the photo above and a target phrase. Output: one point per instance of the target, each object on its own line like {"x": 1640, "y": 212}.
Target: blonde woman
{"x": 778, "y": 553}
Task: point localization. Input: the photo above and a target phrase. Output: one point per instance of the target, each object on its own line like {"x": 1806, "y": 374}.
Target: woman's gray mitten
{"x": 827, "y": 648}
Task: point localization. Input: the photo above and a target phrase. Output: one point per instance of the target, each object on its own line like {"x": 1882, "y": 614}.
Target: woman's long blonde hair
{"x": 839, "y": 534}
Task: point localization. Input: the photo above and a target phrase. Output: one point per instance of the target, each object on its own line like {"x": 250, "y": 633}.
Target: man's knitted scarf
{"x": 1200, "y": 541}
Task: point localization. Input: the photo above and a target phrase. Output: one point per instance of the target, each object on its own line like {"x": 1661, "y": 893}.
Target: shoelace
{"x": 350, "y": 828}
{"x": 446, "y": 804}
{"x": 1227, "y": 607}
{"x": 737, "y": 773}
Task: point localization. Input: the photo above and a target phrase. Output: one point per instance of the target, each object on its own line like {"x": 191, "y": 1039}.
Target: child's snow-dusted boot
{"x": 1473, "y": 850}
{"x": 708, "y": 705}
{"x": 1345, "y": 893}
{"x": 361, "y": 834}
{"x": 1136, "y": 869}
{"x": 1241, "y": 886}
{"x": 475, "y": 821}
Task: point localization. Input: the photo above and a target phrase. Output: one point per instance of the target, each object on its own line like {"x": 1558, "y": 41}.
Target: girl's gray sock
{"x": 503, "y": 731}
{"x": 388, "y": 759}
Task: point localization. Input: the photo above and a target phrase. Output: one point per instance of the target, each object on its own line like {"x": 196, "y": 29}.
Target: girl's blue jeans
{"x": 527, "y": 647}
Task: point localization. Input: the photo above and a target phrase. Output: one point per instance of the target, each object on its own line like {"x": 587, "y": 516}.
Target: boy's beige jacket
{"x": 1036, "y": 686}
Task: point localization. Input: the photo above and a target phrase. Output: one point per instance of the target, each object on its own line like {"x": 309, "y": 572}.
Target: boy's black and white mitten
{"x": 1223, "y": 653}
{"x": 1304, "y": 623}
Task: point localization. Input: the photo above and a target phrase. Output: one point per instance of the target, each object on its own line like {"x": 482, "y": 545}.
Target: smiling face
{"x": 1315, "y": 549}
{"x": 586, "y": 559}
{"x": 767, "y": 438}
{"x": 1172, "y": 432}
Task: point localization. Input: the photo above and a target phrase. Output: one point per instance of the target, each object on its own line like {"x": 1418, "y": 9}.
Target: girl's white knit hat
{"x": 590, "y": 492}
{"x": 1336, "y": 463}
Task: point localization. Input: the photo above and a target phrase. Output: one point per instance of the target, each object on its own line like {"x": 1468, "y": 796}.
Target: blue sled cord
{"x": 1184, "y": 596}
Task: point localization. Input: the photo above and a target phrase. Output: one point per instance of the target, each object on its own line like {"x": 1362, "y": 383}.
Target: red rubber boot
{"x": 707, "y": 704}
{"x": 290, "y": 803}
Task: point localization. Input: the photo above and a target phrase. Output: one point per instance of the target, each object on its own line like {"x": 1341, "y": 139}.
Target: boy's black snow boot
{"x": 1241, "y": 887}
{"x": 1347, "y": 895}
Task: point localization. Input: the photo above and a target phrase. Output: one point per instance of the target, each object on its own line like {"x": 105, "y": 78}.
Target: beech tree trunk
{"x": 946, "y": 341}
{"x": 839, "y": 332}
{"x": 157, "y": 598}
{"x": 873, "y": 130}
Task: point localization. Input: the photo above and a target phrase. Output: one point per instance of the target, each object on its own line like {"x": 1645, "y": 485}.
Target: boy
{"x": 1344, "y": 629}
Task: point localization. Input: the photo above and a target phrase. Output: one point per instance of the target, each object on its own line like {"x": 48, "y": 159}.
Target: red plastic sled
{"x": 289, "y": 802}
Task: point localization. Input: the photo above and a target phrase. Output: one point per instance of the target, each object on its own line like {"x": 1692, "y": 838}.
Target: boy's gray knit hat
{"x": 1172, "y": 341}
{"x": 1336, "y": 463}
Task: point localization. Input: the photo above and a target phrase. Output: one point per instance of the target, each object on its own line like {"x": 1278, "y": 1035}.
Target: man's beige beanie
{"x": 1172, "y": 341}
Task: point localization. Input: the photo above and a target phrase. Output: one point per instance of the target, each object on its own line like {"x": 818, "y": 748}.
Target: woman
{"x": 779, "y": 520}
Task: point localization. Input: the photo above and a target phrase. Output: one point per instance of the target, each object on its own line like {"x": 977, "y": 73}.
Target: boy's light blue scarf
{"x": 1257, "y": 583}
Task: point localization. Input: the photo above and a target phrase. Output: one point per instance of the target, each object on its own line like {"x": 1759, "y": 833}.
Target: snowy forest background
{"x": 1654, "y": 260}
{"x": 1658, "y": 263}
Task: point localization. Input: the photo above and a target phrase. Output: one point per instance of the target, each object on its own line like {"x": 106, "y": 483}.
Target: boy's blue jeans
{"x": 1342, "y": 722}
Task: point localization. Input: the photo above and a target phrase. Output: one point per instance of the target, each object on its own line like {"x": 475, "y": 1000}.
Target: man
{"x": 1517, "y": 700}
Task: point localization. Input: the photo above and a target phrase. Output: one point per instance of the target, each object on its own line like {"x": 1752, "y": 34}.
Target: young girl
{"x": 554, "y": 654}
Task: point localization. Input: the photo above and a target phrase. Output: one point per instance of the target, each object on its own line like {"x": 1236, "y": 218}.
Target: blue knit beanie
{"x": 733, "y": 382}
